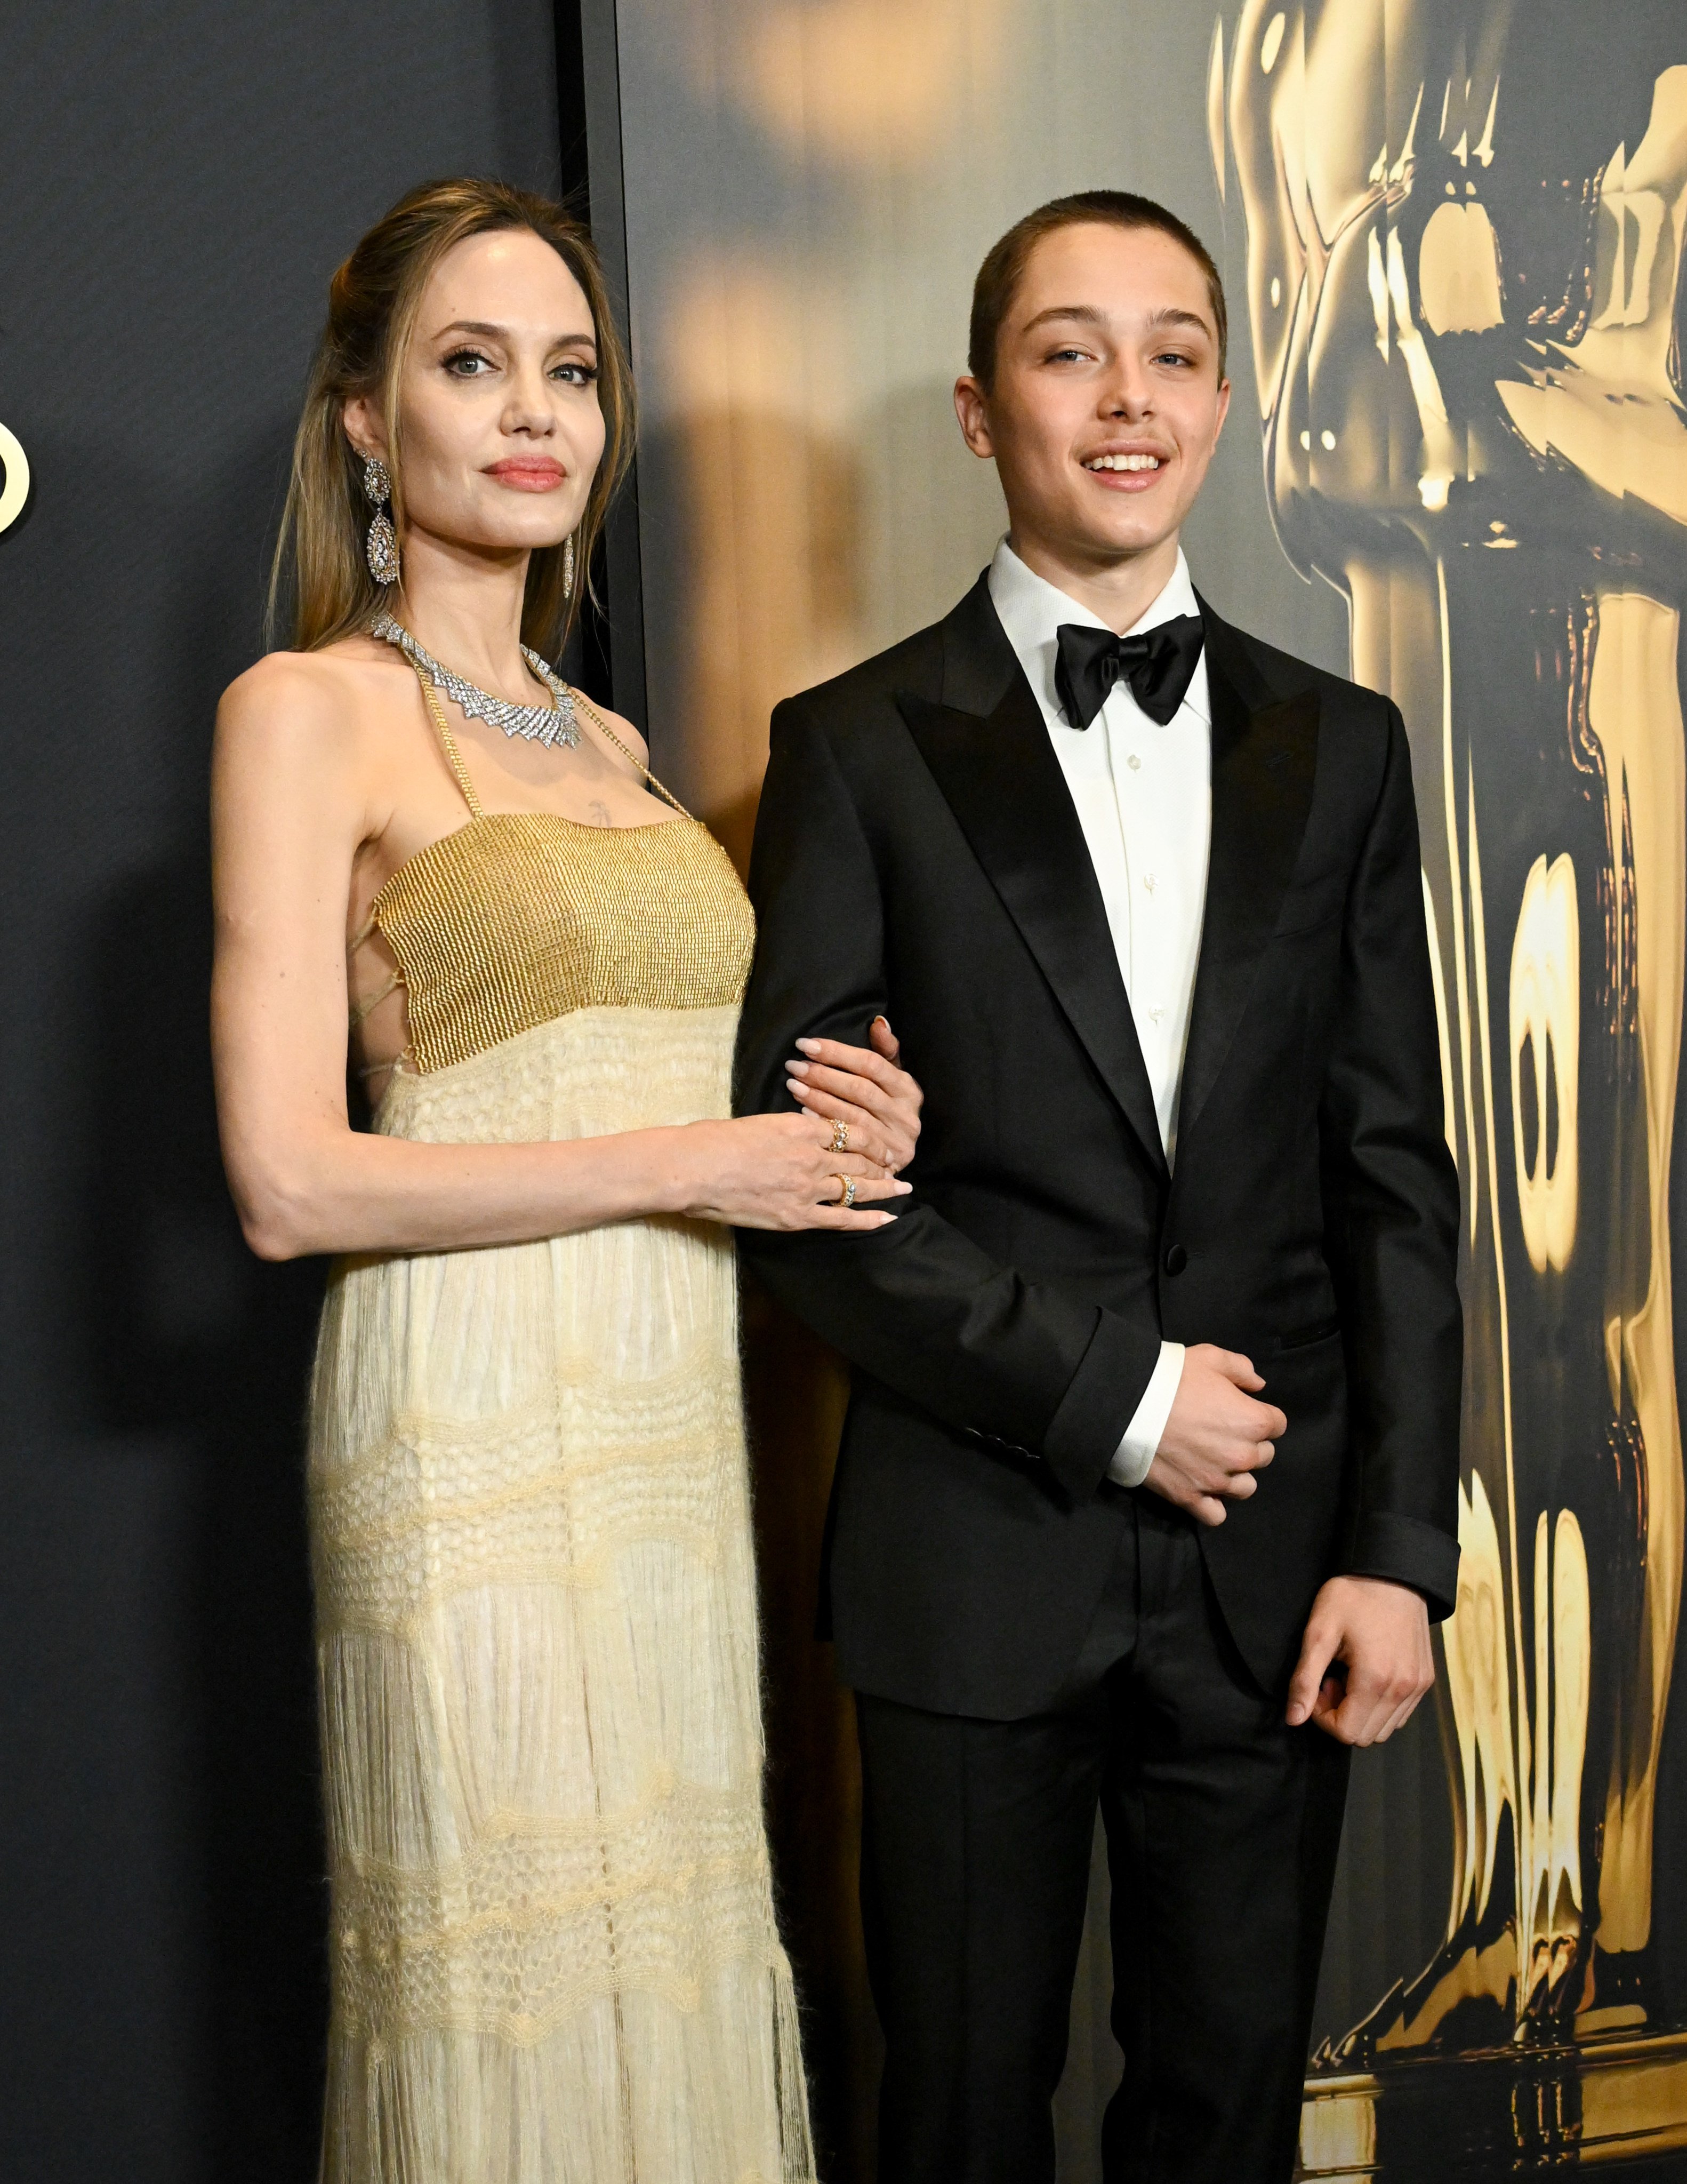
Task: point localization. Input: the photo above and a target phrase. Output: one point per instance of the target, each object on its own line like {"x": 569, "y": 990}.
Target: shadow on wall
{"x": 769, "y": 549}
{"x": 768, "y": 568}
{"x": 194, "y": 1339}
{"x": 931, "y": 555}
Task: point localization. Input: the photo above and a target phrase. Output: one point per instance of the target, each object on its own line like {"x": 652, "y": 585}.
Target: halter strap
{"x": 651, "y": 782}
{"x": 454, "y": 757}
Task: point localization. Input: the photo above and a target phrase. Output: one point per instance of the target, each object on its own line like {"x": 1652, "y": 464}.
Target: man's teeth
{"x": 1124, "y": 463}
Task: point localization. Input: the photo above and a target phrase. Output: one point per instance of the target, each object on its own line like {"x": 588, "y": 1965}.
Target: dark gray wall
{"x": 178, "y": 184}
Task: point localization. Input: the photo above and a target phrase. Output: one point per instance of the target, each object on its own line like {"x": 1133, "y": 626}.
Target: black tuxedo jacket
{"x": 917, "y": 852}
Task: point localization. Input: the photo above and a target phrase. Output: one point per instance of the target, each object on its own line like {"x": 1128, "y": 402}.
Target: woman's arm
{"x": 292, "y": 801}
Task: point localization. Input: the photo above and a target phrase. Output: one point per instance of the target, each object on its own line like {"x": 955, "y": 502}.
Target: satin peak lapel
{"x": 1264, "y": 758}
{"x": 999, "y": 777}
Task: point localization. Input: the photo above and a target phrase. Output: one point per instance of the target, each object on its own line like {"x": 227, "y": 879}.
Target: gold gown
{"x": 554, "y": 1953}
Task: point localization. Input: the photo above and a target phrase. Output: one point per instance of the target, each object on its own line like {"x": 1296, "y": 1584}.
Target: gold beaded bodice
{"x": 521, "y": 917}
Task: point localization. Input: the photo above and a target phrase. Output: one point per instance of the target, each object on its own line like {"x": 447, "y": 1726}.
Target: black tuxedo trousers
{"x": 918, "y": 853}
{"x": 1222, "y": 1828}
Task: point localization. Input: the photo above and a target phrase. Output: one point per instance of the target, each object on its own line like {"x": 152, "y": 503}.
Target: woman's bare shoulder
{"x": 308, "y": 733}
{"x": 619, "y": 727}
{"x": 337, "y": 695}
{"x": 346, "y": 675}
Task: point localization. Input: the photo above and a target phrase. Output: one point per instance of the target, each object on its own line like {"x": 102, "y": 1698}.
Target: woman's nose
{"x": 529, "y": 410}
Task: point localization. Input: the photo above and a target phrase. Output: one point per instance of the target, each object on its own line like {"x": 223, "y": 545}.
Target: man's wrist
{"x": 1375, "y": 1577}
{"x": 1139, "y": 1444}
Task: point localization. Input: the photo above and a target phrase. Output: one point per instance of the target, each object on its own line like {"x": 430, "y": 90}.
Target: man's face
{"x": 1107, "y": 402}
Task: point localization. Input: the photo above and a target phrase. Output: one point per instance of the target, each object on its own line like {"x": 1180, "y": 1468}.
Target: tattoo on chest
{"x": 599, "y": 814}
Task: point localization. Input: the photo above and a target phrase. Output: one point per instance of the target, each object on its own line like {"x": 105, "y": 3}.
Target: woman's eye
{"x": 467, "y": 363}
{"x": 576, "y": 375}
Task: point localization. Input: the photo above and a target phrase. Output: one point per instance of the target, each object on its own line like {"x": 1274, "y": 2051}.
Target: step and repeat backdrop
{"x": 1452, "y": 233}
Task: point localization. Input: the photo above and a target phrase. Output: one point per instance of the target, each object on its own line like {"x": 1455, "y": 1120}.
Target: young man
{"x": 1148, "y": 1490}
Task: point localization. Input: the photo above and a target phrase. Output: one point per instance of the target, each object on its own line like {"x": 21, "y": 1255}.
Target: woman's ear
{"x": 363, "y": 425}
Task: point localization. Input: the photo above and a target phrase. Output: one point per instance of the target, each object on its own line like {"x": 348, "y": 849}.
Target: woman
{"x": 554, "y": 1951}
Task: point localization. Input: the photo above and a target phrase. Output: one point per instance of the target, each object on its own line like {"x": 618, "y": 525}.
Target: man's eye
{"x": 1068, "y": 356}
{"x": 1172, "y": 356}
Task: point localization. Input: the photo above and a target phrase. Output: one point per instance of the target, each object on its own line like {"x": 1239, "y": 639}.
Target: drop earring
{"x": 381, "y": 544}
{"x": 568, "y": 566}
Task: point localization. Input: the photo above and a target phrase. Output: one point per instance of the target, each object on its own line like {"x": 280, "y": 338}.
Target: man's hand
{"x": 1378, "y": 1632}
{"x": 1216, "y": 1436}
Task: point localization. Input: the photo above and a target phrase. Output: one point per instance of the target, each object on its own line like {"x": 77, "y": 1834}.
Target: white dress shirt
{"x": 1143, "y": 797}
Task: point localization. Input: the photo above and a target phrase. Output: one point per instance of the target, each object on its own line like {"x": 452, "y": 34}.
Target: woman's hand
{"x": 877, "y": 1103}
{"x": 778, "y": 1172}
{"x": 787, "y": 1171}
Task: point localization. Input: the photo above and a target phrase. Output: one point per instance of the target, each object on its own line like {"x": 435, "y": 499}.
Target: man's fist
{"x": 1217, "y": 1436}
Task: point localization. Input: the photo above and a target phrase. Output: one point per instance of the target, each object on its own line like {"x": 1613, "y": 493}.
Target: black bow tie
{"x": 1157, "y": 664}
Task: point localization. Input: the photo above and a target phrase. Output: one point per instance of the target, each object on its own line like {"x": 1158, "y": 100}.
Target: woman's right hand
{"x": 779, "y": 1172}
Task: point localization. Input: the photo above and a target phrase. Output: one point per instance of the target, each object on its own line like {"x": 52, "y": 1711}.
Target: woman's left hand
{"x": 862, "y": 1088}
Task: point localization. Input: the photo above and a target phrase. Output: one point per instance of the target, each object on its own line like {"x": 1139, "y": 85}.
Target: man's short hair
{"x": 1005, "y": 264}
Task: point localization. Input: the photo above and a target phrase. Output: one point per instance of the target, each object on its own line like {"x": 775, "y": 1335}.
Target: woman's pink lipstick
{"x": 528, "y": 475}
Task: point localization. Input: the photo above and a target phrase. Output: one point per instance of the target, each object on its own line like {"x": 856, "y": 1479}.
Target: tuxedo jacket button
{"x": 1176, "y": 1259}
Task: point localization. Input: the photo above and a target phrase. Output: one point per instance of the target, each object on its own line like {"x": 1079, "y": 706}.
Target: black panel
{"x": 598, "y": 98}
{"x": 179, "y": 182}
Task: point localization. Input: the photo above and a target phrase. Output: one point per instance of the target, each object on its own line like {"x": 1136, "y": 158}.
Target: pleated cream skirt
{"x": 554, "y": 1958}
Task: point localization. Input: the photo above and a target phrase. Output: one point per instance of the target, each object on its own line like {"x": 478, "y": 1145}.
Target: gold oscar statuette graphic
{"x": 15, "y": 490}
{"x": 1466, "y": 223}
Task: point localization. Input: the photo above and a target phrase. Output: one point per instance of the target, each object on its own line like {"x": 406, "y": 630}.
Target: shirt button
{"x": 1176, "y": 1259}
{"x": 1147, "y": 881}
{"x": 1134, "y": 762}
{"x": 1155, "y": 1015}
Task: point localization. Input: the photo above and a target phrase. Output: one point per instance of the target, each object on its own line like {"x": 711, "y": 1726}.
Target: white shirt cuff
{"x": 1141, "y": 1443}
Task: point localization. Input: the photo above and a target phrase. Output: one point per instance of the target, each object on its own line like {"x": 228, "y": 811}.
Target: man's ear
{"x": 971, "y": 407}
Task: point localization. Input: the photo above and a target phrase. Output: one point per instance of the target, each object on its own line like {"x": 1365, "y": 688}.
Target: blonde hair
{"x": 373, "y": 301}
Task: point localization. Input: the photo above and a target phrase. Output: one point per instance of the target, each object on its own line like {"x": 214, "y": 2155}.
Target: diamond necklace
{"x": 549, "y": 725}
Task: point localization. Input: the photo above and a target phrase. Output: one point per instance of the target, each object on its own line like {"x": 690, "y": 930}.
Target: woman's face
{"x": 502, "y": 432}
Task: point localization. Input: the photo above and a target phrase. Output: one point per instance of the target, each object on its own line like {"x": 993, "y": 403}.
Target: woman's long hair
{"x": 372, "y": 305}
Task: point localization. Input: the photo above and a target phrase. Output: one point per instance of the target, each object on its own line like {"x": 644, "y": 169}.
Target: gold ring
{"x": 846, "y": 1191}
{"x": 840, "y": 1136}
